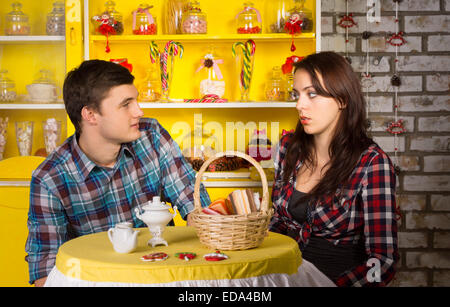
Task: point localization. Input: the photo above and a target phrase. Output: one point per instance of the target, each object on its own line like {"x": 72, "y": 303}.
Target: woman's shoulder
{"x": 374, "y": 154}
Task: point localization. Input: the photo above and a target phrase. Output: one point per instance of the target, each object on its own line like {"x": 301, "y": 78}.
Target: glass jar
{"x": 109, "y": 17}
{"x": 211, "y": 78}
{"x": 24, "y": 137}
{"x": 17, "y": 21}
{"x": 43, "y": 89}
{"x": 55, "y": 20}
{"x": 291, "y": 95}
{"x": 7, "y": 87}
{"x": 248, "y": 20}
{"x": 52, "y": 134}
{"x": 144, "y": 23}
{"x": 174, "y": 11}
{"x": 194, "y": 20}
{"x": 276, "y": 87}
{"x": 279, "y": 12}
{"x": 150, "y": 90}
{"x": 3, "y": 135}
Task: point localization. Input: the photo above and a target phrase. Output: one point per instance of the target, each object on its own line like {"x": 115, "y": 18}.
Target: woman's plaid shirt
{"x": 71, "y": 196}
{"x": 364, "y": 208}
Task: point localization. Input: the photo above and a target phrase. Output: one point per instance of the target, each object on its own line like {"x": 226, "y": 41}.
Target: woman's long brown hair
{"x": 350, "y": 137}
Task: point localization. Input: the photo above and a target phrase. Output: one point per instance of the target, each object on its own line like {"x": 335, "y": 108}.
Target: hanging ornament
{"x": 294, "y": 27}
{"x": 395, "y": 80}
{"x": 106, "y": 28}
{"x": 366, "y": 34}
{"x": 366, "y": 80}
{"x": 396, "y": 127}
{"x": 397, "y": 170}
{"x": 347, "y": 21}
{"x": 396, "y": 39}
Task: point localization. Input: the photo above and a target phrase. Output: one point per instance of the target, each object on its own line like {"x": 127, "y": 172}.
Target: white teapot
{"x": 123, "y": 238}
{"x": 156, "y": 215}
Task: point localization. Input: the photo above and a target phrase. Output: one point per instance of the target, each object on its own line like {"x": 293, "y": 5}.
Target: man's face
{"x": 120, "y": 113}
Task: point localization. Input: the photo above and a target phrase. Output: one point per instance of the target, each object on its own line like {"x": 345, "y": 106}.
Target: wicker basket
{"x": 232, "y": 232}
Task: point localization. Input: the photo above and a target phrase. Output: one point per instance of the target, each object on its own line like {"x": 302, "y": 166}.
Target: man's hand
{"x": 40, "y": 282}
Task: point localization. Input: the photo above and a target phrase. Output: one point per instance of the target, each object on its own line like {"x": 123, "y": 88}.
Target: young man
{"x": 114, "y": 162}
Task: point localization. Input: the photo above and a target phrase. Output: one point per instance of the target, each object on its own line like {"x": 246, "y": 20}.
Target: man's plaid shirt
{"x": 71, "y": 196}
{"x": 366, "y": 208}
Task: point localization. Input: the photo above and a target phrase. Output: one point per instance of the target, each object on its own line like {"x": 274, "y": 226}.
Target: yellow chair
{"x": 15, "y": 174}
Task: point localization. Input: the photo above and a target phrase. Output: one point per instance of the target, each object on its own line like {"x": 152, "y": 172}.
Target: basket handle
{"x": 198, "y": 179}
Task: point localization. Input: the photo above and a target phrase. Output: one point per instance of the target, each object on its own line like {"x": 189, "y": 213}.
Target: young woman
{"x": 334, "y": 187}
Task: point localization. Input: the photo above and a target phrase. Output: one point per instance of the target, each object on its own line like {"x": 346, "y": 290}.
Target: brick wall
{"x": 424, "y": 105}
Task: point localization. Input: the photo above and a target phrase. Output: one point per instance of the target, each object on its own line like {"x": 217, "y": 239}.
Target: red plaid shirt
{"x": 365, "y": 209}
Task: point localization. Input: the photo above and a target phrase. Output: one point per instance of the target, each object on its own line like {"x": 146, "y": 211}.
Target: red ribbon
{"x": 289, "y": 64}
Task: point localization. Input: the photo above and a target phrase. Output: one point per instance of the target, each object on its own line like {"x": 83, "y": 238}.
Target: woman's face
{"x": 318, "y": 115}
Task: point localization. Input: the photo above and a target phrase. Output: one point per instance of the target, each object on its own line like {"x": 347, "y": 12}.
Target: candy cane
{"x": 172, "y": 48}
{"x": 154, "y": 52}
{"x": 248, "y": 50}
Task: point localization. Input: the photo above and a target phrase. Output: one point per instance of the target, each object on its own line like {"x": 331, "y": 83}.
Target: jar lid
{"x": 156, "y": 204}
{"x": 44, "y": 77}
{"x": 16, "y": 9}
{"x": 4, "y": 80}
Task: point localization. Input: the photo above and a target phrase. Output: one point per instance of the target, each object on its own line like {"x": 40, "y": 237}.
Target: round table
{"x": 91, "y": 261}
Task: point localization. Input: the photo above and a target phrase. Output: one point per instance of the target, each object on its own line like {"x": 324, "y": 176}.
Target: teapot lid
{"x": 156, "y": 204}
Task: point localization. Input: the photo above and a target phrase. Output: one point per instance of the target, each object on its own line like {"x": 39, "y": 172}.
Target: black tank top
{"x": 329, "y": 258}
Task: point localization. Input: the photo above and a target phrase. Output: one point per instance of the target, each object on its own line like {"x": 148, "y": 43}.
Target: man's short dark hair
{"x": 88, "y": 84}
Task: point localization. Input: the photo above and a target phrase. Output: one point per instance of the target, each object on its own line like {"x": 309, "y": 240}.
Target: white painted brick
{"x": 437, "y": 124}
{"x": 427, "y": 23}
{"x": 382, "y": 122}
{"x": 387, "y": 143}
{"x": 355, "y": 6}
{"x": 359, "y": 64}
{"x": 447, "y": 5}
{"x": 387, "y": 24}
{"x": 438, "y": 82}
{"x": 337, "y": 43}
{"x": 441, "y": 278}
{"x": 426, "y": 183}
{"x": 409, "y": 84}
{"x": 327, "y": 24}
{"x": 423, "y": 103}
{"x": 431, "y": 144}
{"x": 438, "y": 42}
{"x": 409, "y": 163}
{"x": 379, "y": 44}
{"x": 409, "y": 279}
{"x": 429, "y": 260}
{"x": 380, "y": 103}
{"x": 424, "y": 63}
{"x": 441, "y": 239}
{"x": 409, "y": 202}
{"x": 416, "y": 220}
{"x": 440, "y": 202}
{"x": 412, "y": 239}
{"x": 422, "y": 5}
{"x": 436, "y": 164}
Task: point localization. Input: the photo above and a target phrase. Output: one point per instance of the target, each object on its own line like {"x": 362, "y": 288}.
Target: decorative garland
{"x": 347, "y": 22}
{"x": 396, "y": 127}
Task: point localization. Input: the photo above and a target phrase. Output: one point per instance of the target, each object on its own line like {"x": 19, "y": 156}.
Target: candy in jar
{"x": 248, "y": 20}
{"x": 194, "y": 20}
{"x": 55, "y": 20}
{"x": 144, "y": 23}
{"x": 276, "y": 87}
{"x": 212, "y": 80}
{"x": 17, "y": 21}
{"x": 7, "y": 87}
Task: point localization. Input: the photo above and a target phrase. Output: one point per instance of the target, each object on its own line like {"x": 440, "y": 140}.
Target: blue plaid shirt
{"x": 71, "y": 196}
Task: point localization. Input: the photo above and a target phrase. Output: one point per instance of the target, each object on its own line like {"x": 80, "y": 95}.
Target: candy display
{"x": 248, "y": 51}
{"x": 108, "y": 23}
{"x": 171, "y": 49}
{"x": 249, "y": 20}
{"x": 24, "y": 137}
{"x": 143, "y": 21}
{"x": 52, "y": 134}
{"x": 16, "y": 21}
{"x": 56, "y": 20}
{"x": 213, "y": 83}
{"x": 194, "y": 20}
{"x": 7, "y": 87}
{"x": 3, "y": 135}
{"x": 150, "y": 89}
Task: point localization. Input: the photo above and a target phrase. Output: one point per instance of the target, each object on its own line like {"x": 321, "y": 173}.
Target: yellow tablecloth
{"x": 92, "y": 258}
